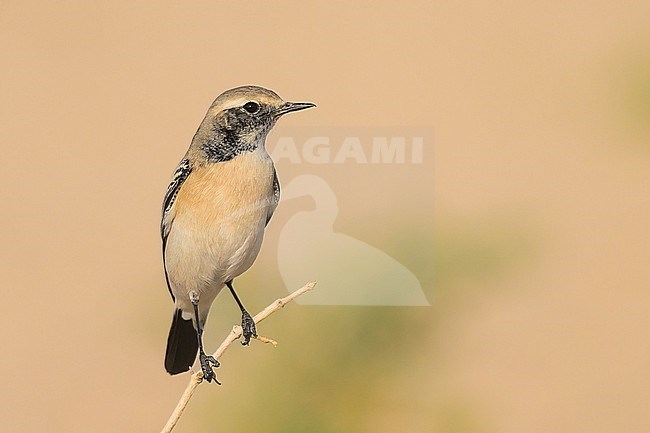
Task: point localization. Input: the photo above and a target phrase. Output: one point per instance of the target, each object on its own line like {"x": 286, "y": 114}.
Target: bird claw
{"x": 248, "y": 328}
{"x": 207, "y": 363}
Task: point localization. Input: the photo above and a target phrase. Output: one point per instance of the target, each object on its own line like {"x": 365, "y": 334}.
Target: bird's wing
{"x": 180, "y": 175}
{"x": 276, "y": 196}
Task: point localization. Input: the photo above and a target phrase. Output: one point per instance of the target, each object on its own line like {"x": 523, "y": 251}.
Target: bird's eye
{"x": 252, "y": 107}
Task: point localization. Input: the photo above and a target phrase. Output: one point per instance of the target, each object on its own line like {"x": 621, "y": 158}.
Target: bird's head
{"x": 239, "y": 120}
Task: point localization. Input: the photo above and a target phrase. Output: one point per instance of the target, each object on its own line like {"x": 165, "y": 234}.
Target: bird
{"x": 220, "y": 199}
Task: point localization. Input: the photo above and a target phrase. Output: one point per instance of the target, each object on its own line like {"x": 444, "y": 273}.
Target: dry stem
{"x": 234, "y": 334}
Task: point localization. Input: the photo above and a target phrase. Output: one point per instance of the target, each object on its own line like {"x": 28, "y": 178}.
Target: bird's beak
{"x": 288, "y": 107}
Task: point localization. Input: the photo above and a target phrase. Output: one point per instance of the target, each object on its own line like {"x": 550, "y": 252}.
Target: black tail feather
{"x": 182, "y": 345}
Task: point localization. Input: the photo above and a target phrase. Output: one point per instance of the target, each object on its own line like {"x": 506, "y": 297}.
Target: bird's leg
{"x": 207, "y": 361}
{"x": 247, "y": 322}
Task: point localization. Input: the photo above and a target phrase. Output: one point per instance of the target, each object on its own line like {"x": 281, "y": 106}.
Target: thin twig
{"x": 234, "y": 334}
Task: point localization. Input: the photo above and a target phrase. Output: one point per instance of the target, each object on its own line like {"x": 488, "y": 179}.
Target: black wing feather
{"x": 182, "y": 172}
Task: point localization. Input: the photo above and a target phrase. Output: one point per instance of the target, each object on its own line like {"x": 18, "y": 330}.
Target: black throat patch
{"x": 233, "y": 133}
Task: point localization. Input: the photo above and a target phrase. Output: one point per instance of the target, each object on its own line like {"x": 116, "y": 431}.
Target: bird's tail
{"x": 182, "y": 345}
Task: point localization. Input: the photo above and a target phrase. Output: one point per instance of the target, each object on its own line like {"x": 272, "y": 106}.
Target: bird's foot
{"x": 207, "y": 363}
{"x": 248, "y": 328}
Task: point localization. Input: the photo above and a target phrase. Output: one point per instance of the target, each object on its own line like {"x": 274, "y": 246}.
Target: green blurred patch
{"x": 328, "y": 374}
{"x": 457, "y": 417}
{"x": 630, "y": 68}
{"x": 474, "y": 251}
{"x": 480, "y": 253}
{"x": 636, "y": 93}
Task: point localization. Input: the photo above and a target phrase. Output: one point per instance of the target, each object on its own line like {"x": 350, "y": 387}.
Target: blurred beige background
{"x": 540, "y": 308}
